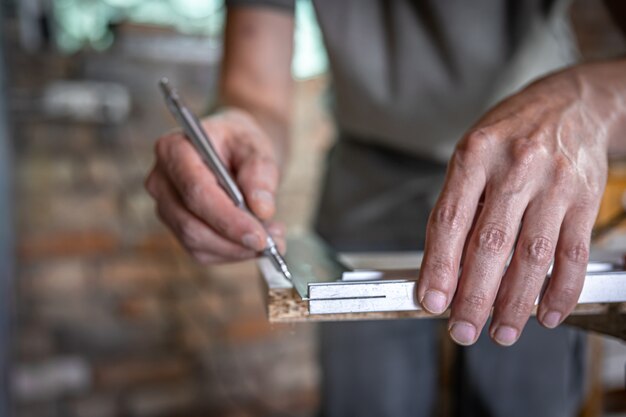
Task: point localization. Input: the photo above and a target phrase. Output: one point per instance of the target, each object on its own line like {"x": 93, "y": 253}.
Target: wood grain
{"x": 285, "y": 305}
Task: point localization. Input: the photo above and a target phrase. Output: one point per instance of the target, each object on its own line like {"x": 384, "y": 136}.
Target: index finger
{"x": 448, "y": 226}
{"x": 203, "y": 196}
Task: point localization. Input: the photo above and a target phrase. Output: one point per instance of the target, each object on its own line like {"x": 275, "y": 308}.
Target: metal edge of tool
{"x": 318, "y": 271}
{"x": 399, "y": 295}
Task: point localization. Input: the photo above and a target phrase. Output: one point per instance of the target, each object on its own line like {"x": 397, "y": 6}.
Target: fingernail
{"x": 463, "y": 333}
{"x": 264, "y": 198}
{"x": 505, "y": 335}
{"x": 276, "y": 231}
{"x": 253, "y": 241}
{"x": 551, "y": 319}
{"x": 434, "y": 301}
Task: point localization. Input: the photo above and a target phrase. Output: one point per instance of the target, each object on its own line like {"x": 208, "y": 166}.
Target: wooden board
{"x": 285, "y": 305}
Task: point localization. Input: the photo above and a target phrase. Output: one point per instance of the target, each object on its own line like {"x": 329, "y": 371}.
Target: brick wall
{"x": 113, "y": 318}
{"x": 6, "y": 237}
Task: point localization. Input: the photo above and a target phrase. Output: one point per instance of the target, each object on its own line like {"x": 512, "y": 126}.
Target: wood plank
{"x": 285, "y": 305}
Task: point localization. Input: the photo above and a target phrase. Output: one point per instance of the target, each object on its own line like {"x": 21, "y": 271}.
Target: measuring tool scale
{"x": 386, "y": 282}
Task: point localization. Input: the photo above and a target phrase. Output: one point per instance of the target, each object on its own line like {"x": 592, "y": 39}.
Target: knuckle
{"x": 524, "y": 151}
{"x": 492, "y": 238}
{"x": 532, "y": 281}
{"x": 440, "y": 269}
{"x": 578, "y": 253}
{"x": 538, "y": 251}
{"x": 469, "y": 150}
{"x": 449, "y": 216}
{"x": 563, "y": 164}
{"x": 524, "y": 154}
{"x": 476, "y": 300}
{"x": 519, "y": 307}
{"x": 479, "y": 140}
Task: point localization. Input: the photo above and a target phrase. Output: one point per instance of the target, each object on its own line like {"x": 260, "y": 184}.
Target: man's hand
{"x": 527, "y": 179}
{"x": 194, "y": 206}
{"x": 252, "y": 141}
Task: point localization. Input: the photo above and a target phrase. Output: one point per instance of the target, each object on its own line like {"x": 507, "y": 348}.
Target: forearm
{"x": 617, "y": 8}
{"x": 256, "y": 70}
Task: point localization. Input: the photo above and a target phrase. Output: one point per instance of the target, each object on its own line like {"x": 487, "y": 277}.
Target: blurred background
{"x": 102, "y": 313}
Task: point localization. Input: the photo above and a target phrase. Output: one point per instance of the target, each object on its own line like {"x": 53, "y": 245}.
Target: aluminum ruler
{"x": 386, "y": 282}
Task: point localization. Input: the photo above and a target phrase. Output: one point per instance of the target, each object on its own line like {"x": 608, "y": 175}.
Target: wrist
{"x": 603, "y": 92}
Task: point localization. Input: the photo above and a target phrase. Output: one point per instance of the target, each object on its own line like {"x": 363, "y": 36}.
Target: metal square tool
{"x": 331, "y": 286}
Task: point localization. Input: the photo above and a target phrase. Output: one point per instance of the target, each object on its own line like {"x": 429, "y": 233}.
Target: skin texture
{"x": 525, "y": 181}
{"x": 251, "y": 137}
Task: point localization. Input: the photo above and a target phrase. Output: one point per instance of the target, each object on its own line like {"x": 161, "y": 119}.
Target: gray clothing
{"x": 415, "y": 75}
{"x": 389, "y": 368}
{"x": 409, "y": 78}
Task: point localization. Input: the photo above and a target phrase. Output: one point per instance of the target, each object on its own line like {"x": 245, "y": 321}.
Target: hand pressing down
{"x": 536, "y": 166}
{"x": 193, "y": 205}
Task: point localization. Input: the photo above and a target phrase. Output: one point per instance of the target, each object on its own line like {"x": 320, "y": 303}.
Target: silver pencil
{"x": 201, "y": 141}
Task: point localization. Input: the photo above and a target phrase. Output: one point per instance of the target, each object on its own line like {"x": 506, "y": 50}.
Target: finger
{"x": 255, "y": 163}
{"x": 258, "y": 178}
{"x": 199, "y": 239}
{"x": 276, "y": 229}
{"x": 479, "y": 210}
{"x": 570, "y": 267}
{"x": 527, "y": 271}
{"x": 201, "y": 194}
{"x": 489, "y": 248}
{"x": 448, "y": 226}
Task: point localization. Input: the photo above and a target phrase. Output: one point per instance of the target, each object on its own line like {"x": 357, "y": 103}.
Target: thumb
{"x": 258, "y": 178}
